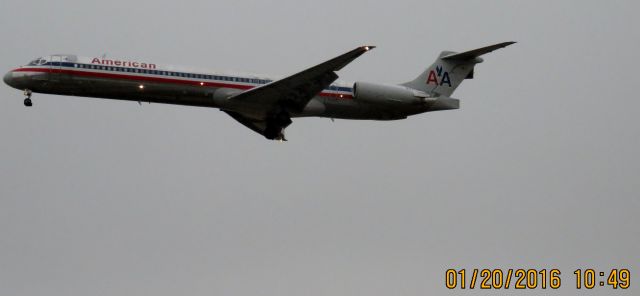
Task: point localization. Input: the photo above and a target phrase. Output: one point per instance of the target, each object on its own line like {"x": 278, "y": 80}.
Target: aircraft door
{"x": 55, "y": 71}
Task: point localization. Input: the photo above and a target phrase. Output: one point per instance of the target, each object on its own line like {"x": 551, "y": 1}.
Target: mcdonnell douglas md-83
{"x": 264, "y": 105}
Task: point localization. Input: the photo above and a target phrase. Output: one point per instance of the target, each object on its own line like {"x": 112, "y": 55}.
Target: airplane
{"x": 264, "y": 105}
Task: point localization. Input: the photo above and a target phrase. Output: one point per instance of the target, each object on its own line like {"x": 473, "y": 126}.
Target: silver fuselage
{"x": 121, "y": 80}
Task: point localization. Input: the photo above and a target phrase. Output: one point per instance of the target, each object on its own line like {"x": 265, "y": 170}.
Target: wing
{"x": 277, "y": 100}
{"x": 294, "y": 92}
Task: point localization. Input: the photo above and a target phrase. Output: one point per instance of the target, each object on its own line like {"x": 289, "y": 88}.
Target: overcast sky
{"x": 538, "y": 169}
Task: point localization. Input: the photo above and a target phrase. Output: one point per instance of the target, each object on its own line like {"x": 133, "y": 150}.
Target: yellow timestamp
{"x": 589, "y": 278}
{"x": 534, "y": 279}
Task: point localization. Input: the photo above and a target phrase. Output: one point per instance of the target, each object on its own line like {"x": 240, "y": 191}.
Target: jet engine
{"x": 389, "y": 94}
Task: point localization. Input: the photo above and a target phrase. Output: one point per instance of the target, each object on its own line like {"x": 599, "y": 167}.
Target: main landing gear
{"x": 27, "y": 100}
{"x": 276, "y": 125}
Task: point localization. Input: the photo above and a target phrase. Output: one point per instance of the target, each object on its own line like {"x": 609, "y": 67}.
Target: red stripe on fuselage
{"x": 157, "y": 79}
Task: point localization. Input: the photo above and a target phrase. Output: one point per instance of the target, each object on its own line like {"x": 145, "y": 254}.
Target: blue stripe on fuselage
{"x": 166, "y": 73}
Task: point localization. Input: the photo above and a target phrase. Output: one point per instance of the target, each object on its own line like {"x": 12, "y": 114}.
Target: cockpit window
{"x": 37, "y": 62}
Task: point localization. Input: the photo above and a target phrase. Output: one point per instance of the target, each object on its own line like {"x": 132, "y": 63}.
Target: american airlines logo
{"x": 122, "y": 63}
{"x": 439, "y": 77}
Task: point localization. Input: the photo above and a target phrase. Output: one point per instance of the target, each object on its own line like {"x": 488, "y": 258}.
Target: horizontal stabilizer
{"x": 472, "y": 54}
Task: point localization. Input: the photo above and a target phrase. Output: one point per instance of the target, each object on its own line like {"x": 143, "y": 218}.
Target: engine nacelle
{"x": 389, "y": 94}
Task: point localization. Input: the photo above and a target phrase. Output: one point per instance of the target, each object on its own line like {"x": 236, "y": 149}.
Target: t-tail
{"x": 450, "y": 69}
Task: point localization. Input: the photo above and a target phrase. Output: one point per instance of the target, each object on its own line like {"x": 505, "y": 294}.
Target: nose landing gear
{"x": 27, "y": 100}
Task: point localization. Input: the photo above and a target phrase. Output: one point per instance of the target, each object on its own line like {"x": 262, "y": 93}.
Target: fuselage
{"x": 148, "y": 82}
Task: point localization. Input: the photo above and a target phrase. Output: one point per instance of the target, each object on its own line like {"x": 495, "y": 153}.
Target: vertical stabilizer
{"x": 450, "y": 69}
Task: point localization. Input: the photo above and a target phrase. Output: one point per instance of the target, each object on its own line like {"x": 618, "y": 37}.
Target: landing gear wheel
{"x": 27, "y": 100}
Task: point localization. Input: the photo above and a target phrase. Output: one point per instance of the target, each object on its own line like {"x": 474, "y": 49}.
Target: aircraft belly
{"x": 315, "y": 107}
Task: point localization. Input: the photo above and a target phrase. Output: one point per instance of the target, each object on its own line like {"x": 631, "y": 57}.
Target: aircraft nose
{"x": 11, "y": 80}
{"x": 8, "y": 78}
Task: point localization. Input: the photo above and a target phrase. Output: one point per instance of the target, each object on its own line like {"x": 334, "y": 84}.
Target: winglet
{"x": 468, "y": 55}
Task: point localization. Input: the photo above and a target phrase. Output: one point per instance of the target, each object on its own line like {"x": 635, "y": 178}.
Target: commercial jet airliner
{"x": 264, "y": 105}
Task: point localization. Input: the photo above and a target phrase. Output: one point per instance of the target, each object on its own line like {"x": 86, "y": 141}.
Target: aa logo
{"x": 439, "y": 77}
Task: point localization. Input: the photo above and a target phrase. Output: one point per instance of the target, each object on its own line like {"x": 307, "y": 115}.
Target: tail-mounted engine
{"x": 389, "y": 94}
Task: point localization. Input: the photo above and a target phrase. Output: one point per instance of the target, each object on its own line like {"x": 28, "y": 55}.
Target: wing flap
{"x": 258, "y": 126}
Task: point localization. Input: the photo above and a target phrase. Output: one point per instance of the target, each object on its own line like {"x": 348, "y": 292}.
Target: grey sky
{"x": 538, "y": 169}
